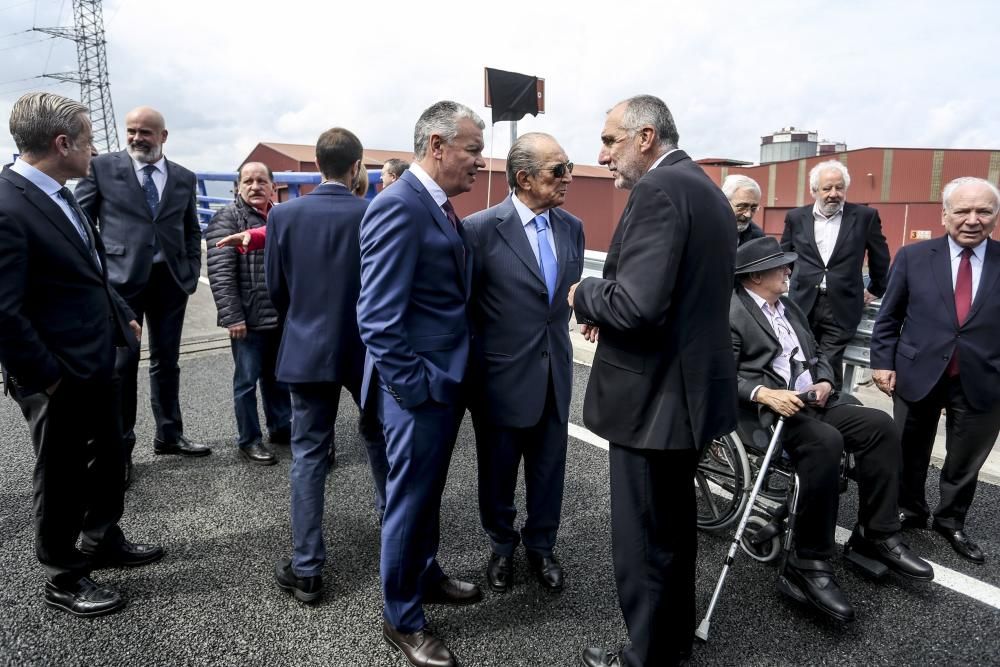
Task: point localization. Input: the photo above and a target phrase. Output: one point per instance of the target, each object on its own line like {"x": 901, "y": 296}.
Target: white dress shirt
{"x": 977, "y": 259}
{"x": 528, "y": 223}
{"x": 826, "y": 231}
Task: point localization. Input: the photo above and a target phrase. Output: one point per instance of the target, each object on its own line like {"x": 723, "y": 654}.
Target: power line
{"x": 53, "y": 45}
{"x": 23, "y": 44}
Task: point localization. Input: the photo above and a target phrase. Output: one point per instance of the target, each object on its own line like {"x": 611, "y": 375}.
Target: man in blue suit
{"x": 527, "y": 252}
{"x": 935, "y": 347}
{"x": 415, "y": 279}
{"x": 312, "y": 266}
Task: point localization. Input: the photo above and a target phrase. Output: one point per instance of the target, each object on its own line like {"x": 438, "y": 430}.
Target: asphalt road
{"x": 212, "y": 600}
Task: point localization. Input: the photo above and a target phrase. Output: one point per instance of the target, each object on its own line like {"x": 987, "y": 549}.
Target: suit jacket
{"x": 663, "y": 374}
{"x": 753, "y": 231}
{"x": 313, "y": 273}
{"x": 58, "y": 315}
{"x": 112, "y": 197}
{"x": 860, "y": 231}
{"x": 917, "y": 330}
{"x": 415, "y": 280}
{"x": 519, "y": 339}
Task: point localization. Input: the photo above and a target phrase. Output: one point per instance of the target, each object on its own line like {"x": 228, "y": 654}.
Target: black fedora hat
{"x": 760, "y": 255}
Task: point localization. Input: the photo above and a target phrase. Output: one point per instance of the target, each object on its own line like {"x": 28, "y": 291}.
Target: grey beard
{"x": 149, "y": 157}
{"x": 742, "y": 226}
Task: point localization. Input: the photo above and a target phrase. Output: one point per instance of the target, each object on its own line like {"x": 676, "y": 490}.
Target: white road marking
{"x": 943, "y": 576}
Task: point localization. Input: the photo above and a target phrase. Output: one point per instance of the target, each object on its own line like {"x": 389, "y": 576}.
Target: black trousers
{"x": 161, "y": 304}
{"x": 79, "y": 474}
{"x": 815, "y": 438}
{"x": 970, "y": 436}
{"x": 499, "y": 453}
{"x": 831, "y": 336}
{"x": 654, "y": 545}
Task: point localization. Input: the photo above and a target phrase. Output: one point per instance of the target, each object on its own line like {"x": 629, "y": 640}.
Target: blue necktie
{"x": 546, "y": 260}
{"x": 149, "y": 189}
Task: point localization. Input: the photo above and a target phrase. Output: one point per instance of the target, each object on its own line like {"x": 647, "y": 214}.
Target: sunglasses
{"x": 560, "y": 169}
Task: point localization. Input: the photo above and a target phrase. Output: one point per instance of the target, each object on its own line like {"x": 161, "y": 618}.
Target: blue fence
{"x": 293, "y": 180}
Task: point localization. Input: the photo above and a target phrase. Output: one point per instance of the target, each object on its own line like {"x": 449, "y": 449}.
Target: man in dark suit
{"x": 59, "y": 324}
{"x": 145, "y": 208}
{"x": 831, "y": 238}
{"x": 935, "y": 347}
{"x": 743, "y": 194}
{"x": 663, "y": 382}
{"x": 313, "y": 274}
{"x": 415, "y": 279}
{"x": 526, "y": 253}
{"x": 768, "y": 332}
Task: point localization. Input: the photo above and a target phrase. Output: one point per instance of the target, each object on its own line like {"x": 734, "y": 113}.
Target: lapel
{"x": 808, "y": 223}
{"x": 847, "y": 220}
{"x": 53, "y": 214}
{"x": 560, "y": 228}
{"x": 441, "y": 220}
{"x": 940, "y": 262}
{"x": 511, "y": 231}
{"x": 802, "y": 333}
{"x": 127, "y": 173}
{"x": 168, "y": 187}
{"x": 758, "y": 315}
{"x": 988, "y": 277}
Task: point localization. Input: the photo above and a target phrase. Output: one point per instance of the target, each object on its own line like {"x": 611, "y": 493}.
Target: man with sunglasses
{"x": 743, "y": 194}
{"x": 526, "y": 253}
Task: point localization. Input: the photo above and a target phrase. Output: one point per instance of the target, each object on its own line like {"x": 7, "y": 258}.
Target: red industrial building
{"x": 904, "y": 184}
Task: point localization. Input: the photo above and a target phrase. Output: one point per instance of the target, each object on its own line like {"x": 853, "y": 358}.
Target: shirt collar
{"x": 433, "y": 189}
{"x": 161, "y": 165}
{"x": 762, "y": 303}
{"x": 525, "y": 213}
{"x": 661, "y": 158}
{"x": 39, "y": 178}
{"x": 979, "y": 251}
{"x": 818, "y": 214}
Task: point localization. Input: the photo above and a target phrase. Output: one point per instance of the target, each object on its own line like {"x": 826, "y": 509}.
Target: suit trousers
{"x": 970, "y": 435}
{"x": 254, "y": 359}
{"x": 79, "y": 474}
{"x": 832, "y": 337}
{"x": 161, "y": 303}
{"x": 314, "y": 415}
{"x": 499, "y": 452}
{"x": 816, "y": 438}
{"x": 419, "y": 444}
{"x": 654, "y": 545}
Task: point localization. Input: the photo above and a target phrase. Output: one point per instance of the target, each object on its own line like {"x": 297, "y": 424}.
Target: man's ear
{"x": 163, "y": 138}
{"x": 521, "y": 178}
{"x": 436, "y": 143}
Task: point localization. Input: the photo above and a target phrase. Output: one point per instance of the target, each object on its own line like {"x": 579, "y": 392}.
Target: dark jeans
{"x": 254, "y": 358}
{"x": 831, "y": 336}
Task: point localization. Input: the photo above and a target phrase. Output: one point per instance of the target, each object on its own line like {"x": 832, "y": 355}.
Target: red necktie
{"x": 449, "y": 211}
{"x": 963, "y": 301}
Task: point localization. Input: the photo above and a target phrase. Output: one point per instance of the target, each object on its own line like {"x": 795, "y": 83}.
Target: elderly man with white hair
{"x": 743, "y": 194}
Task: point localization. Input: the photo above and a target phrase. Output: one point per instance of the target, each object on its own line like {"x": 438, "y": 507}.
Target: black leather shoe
{"x": 183, "y": 446}
{"x": 85, "y": 598}
{"x": 258, "y": 454}
{"x": 305, "y": 589}
{"x": 498, "y": 573}
{"x": 814, "y": 580}
{"x": 547, "y": 570}
{"x": 961, "y": 543}
{"x": 453, "y": 591}
{"x": 912, "y": 521}
{"x": 598, "y": 657}
{"x": 281, "y": 437}
{"x": 127, "y": 554}
{"x": 421, "y": 648}
{"x": 893, "y": 552}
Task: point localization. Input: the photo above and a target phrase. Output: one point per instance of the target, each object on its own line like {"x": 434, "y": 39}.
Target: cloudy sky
{"x": 230, "y": 74}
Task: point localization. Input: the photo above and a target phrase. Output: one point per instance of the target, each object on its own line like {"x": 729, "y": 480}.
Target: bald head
{"x": 145, "y": 134}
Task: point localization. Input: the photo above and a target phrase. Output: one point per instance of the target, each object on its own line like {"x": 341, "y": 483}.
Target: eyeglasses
{"x": 560, "y": 169}
{"x": 743, "y": 208}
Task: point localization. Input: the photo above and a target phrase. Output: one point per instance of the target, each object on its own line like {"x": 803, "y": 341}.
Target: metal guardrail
{"x": 858, "y": 354}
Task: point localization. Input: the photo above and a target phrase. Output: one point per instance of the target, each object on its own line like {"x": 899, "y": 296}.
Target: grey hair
{"x": 523, "y": 156}
{"x": 37, "y": 118}
{"x": 395, "y": 166}
{"x": 736, "y": 182}
{"x": 643, "y": 110}
{"x": 949, "y": 190}
{"x": 441, "y": 118}
{"x": 824, "y": 166}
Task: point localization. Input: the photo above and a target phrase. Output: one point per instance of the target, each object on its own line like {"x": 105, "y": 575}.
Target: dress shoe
{"x": 183, "y": 446}
{"x": 814, "y": 580}
{"x": 127, "y": 554}
{"x": 420, "y": 648}
{"x": 258, "y": 454}
{"x": 547, "y": 570}
{"x": 598, "y": 657}
{"x": 280, "y": 437}
{"x": 498, "y": 573}
{"x": 305, "y": 589}
{"x": 84, "y": 598}
{"x": 961, "y": 543}
{"x": 893, "y": 552}
{"x": 912, "y": 521}
{"x": 452, "y": 591}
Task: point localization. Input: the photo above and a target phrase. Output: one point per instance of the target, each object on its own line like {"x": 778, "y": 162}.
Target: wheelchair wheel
{"x": 767, "y": 550}
{"x": 722, "y": 483}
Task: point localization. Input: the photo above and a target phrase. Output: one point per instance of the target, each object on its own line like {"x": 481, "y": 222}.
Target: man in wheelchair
{"x": 769, "y": 334}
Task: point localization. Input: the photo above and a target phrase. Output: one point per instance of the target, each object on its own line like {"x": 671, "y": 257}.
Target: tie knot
{"x": 66, "y": 194}
{"x": 149, "y": 169}
{"x": 966, "y": 253}
{"x": 541, "y": 224}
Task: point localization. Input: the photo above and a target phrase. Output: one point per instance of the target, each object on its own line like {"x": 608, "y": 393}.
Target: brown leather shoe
{"x": 453, "y": 591}
{"x": 421, "y": 648}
